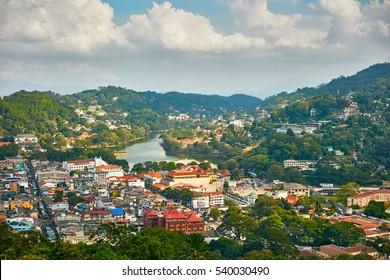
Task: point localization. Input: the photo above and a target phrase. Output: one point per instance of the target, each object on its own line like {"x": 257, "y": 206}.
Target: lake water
{"x": 148, "y": 149}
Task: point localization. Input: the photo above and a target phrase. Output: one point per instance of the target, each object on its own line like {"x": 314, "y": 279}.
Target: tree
{"x": 186, "y": 196}
{"x": 263, "y": 205}
{"x": 58, "y": 196}
{"x": 275, "y": 172}
{"x": 344, "y": 234}
{"x": 346, "y": 191}
{"x": 196, "y": 248}
{"x": 231, "y": 164}
{"x": 228, "y": 249}
{"x": 376, "y": 209}
{"x": 261, "y": 255}
{"x": 290, "y": 133}
{"x": 238, "y": 225}
{"x": 215, "y": 213}
{"x": 205, "y": 165}
{"x": 237, "y": 174}
{"x": 272, "y": 239}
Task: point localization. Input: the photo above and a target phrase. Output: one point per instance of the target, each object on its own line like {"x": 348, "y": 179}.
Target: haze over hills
{"x": 39, "y": 111}
{"x": 8, "y": 86}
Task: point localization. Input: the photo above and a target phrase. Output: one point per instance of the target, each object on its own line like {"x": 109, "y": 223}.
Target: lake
{"x": 148, "y": 149}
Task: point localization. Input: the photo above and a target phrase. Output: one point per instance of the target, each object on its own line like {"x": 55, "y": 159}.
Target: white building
{"x": 154, "y": 176}
{"x": 102, "y": 173}
{"x": 83, "y": 164}
{"x": 200, "y": 201}
{"x": 300, "y": 164}
{"x": 59, "y": 206}
{"x": 216, "y": 199}
{"x": 25, "y": 138}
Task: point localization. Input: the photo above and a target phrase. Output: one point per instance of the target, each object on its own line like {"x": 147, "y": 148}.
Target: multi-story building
{"x": 200, "y": 201}
{"x": 103, "y": 172}
{"x": 154, "y": 176}
{"x": 297, "y": 189}
{"x": 173, "y": 220}
{"x": 186, "y": 177}
{"x": 362, "y": 199}
{"x": 21, "y": 223}
{"x": 300, "y": 164}
{"x": 216, "y": 199}
{"x": 83, "y": 164}
{"x": 59, "y": 206}
{"x": 25, "y": 139}
{"x": 21, "y": 200}
{"x": 97, "y": 215}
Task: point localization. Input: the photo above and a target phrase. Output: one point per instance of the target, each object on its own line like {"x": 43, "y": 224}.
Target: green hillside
{"x": 35, "y": 112}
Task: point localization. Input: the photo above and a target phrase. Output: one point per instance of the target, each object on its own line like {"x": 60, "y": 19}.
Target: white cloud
{"x": 171, "y": 28}
{"x": 67, "y": 26}
{"x": 283, "y": 30}
{"x": 354, "y": 24}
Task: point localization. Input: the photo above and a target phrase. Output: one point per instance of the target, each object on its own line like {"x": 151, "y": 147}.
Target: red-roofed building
{"x": 83, "y": 164}
{"x": 173, "y": 220}
{"x": 292, "y": 199}
{"x": 132, "y": 181}
{"x": 154, "y": 176}
{"x": 362, "y": 199}
{"x": 4, "y": 144}
{"x": 224, "y": 174}
{"x": 160, "y": 187}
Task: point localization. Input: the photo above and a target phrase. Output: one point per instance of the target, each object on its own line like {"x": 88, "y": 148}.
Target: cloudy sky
{"x": 258, "y": 47}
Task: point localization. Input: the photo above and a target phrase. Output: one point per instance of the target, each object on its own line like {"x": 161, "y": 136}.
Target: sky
{"x": 256, "y": 47}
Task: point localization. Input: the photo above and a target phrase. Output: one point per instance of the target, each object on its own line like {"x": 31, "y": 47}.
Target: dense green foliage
{"x": 35, "y": 112}
{"x": 9, "y": 151}
{"x": 376, "y": 209}
{"x": 117, "y": 99}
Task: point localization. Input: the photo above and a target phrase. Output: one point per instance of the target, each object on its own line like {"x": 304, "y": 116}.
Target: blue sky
{"x": 258, "y": 47}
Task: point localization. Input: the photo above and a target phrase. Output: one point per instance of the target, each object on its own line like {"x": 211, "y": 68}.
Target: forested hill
{"x": 339, "y": 86}
{"x": 116, "y": 99}
{"x": 34, "y": 112}
{"x": 47, "y": 112}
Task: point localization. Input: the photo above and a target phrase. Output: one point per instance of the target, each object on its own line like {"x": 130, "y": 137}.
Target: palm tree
{"x": 196, "y": 248}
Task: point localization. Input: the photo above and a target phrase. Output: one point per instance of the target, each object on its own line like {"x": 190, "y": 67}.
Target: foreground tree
{"x": 238, "y": 225}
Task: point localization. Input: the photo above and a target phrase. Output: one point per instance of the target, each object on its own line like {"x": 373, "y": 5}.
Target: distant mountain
{"x": 339, "y": 86}
{"x": 8, "y": 86}
{"x": 117, "y": 99}
{"x": 46, "y": 112}
{"x": 289, "y": 85}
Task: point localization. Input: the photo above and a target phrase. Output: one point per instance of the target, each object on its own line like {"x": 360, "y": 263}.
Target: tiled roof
{"x": 155, "y": 174}
{"x": 88, "y": 200}
{"x": 331, "y": 250}
{"x": 193, "y": 218}
{"x": 213, "y": 193}
{"x": 81, "y": 161}
{"x": 369, "y": 193}
{"x": 292, "y": 199}
{"x": 128, "y": 177}
{"x": 159, "y": 186}
{"x": 151, "y": 212}
{"x": 181, "y": 172}
{"x": 172, "y": 213}
{"x": 107, "y": 167}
